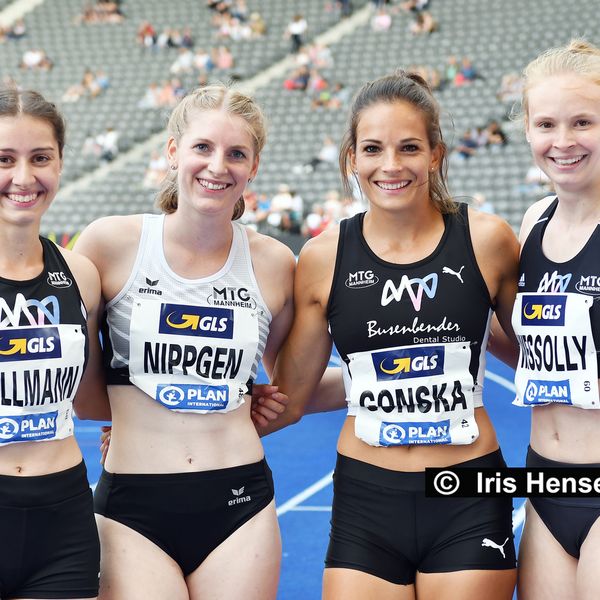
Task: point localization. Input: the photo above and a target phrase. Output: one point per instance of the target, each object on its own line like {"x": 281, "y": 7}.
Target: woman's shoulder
{"x": 85, "y": 274}
{"x": 111, "y": 234}
{"x": 266, "y": 248}
{"x": 490, "y": 233}
{"x": 533, "y": 213}
{"x": 116, "y": 224}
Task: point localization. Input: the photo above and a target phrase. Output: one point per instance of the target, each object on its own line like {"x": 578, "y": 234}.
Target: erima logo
{"x": 406, "y": 363}
{"x": 539, "y": 391}
{"x": 588, "y": 284}
{"x": 487, "y": 543}
{"x": 58, "y": 279}
{"x": 30, "y": 344}
{"x": 151, "y": 289}
{"x": 22, "y": 428}
{"x": 554, "y": 283}
{"x": 361, "y": 279}
{"x": 398, "y": 434}
{"x": 392, "y": 292}
{"x": 543, "y": 310}
{"x": 239, "y": 497}
{"x": 201, "y": 321}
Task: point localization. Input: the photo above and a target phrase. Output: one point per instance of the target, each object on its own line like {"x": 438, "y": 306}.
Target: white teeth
{"x": 22, "y": 199}
{"x": 567, "y": 161}
{"x": 392, "y": 186}
{"x": 212, "y": 186}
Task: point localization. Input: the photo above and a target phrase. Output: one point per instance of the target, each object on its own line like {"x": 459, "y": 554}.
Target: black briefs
{"x": 187, "y": 515}
{"x": 383, "y": 524}
{"x": 50, "y": 543}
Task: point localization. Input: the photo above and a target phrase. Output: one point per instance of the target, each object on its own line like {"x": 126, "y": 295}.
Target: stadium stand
{"x": 498, "y": 37}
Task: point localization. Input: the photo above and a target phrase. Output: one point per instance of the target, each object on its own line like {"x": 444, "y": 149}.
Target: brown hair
{"x": 401, "y": 86}
{"x": 578, "y": 57}
{"x": 15, "y": 102}
{"x": 211, "y": 97}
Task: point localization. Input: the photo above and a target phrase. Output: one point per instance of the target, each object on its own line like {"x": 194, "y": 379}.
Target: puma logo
{"x": 487, "y": 543}
{"x": 449, "y": 271}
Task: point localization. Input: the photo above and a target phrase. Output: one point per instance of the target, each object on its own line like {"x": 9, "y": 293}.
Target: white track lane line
{"x": 509, "y": 385}
{"x": 304, "y": 494}
{"x": 518, "y": 517}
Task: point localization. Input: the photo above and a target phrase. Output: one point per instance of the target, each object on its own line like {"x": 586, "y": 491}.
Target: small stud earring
{"x": 173, "y": 167}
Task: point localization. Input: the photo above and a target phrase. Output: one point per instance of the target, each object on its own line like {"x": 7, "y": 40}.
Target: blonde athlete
{"x": 557, "y": 319}
{"x": 193, "y": 302}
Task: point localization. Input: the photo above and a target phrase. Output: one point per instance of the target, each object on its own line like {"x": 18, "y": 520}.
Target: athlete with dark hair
{"x": 48, "y": 310}
{"x": 406, "y": 291}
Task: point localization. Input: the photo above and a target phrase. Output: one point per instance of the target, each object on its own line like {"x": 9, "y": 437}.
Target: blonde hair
{"x": 578, "y": 57}
{"x": 211, "y": 97}
{"x": 409, "y": 87}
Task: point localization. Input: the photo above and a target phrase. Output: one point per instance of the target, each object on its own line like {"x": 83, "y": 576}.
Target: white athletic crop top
{"x": 192, "y": 345}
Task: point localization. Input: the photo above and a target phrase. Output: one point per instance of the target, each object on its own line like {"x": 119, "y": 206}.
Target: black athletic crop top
{"x": 579, "y": 275}
{"x": 376, "y": 305}
{"x": 43, "y": 351}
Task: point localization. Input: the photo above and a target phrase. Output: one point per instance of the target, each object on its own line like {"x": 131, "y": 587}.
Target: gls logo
{"x": 361, "y": 279}
{"x": 201, "y": 321}
{"x": 408, "y": 363}
{"x": 29, "y": 344}
{"x": 428, "y": 285}
{"x": 58, "y": 279}
{"x": 543, "y": 310}
{"x": 399, "y": 434}
{"x": 539, "y": 391}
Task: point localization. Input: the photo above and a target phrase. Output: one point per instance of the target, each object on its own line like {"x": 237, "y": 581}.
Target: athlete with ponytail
{"x": 405, "y": 291}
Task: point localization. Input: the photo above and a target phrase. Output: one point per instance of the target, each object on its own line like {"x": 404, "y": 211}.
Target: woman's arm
{"x": 497, "y": 251}
{"x": 303, "y": 357}
{"x": 91, "y": 400}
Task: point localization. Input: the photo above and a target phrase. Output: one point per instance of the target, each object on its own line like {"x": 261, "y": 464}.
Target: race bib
{"x": 192, "y": 358}
{"x": 414, "y": 395}
{"x": 557, "y": 359}
{"x": 40, "y": 371}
